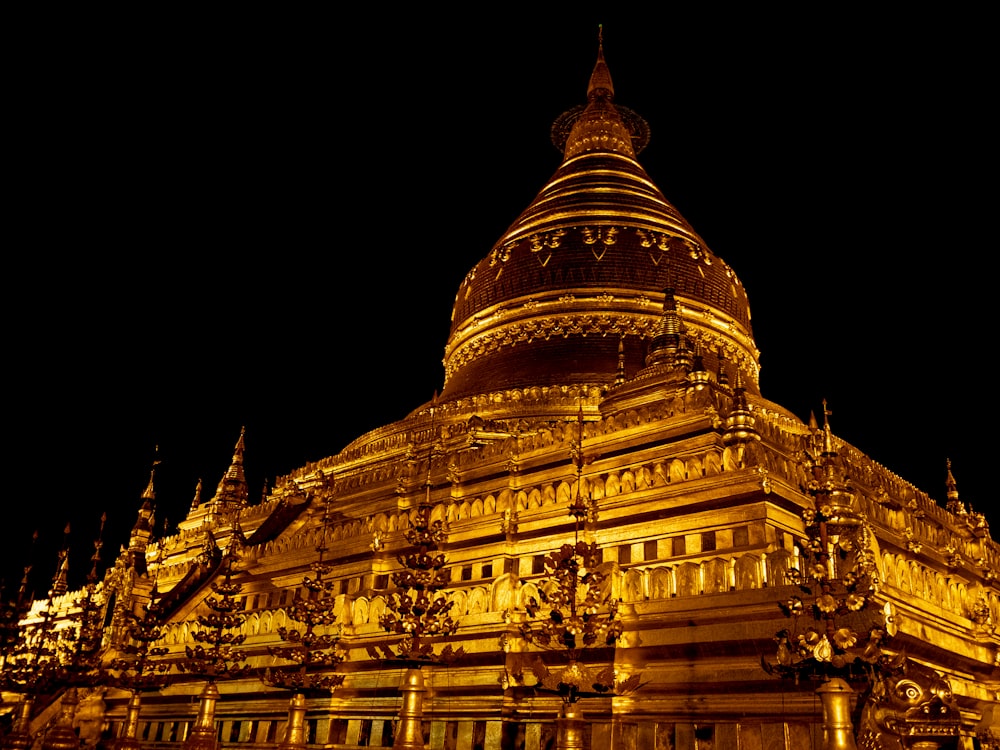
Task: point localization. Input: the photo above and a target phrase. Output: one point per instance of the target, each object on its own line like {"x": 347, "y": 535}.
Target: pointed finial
{"x": 232, "y": 488}
{"x": 620, "y": 375}
{"x": 150, "y": 492}
{"x": 666, "y": 342}
{"x": 60, "y": 582}
{"x": 601, "y": 126}
{"x": 722, "y": 377}
{"x": 740, "y": 425}
{"x": 953, "y": 504}
{"x": 196, "y": 500}
{"x": 827, "y": 435}
{"x": 95, "y": 559}
{"x": 600, "y": 80}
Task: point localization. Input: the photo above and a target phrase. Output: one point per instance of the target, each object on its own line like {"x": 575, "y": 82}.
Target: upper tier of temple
{"x": 585, "y": 266}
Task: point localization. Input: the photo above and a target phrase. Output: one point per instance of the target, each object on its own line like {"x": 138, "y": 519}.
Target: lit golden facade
{"x": 600, "y": 357}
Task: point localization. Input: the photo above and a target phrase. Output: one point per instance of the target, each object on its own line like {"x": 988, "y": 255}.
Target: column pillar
{"x": 202, "y": 735}
{"x": 569, "y": 728}
{"x": 838, "y": 732}
{"x": 295, "y": 737}
{"x": 410, "y": 735}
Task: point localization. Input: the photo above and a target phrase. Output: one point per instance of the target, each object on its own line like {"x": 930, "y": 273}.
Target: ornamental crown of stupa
{"x": 586, "y": 265}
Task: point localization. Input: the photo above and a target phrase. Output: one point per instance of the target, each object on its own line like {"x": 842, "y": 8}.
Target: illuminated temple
{"x": 600, "y": 534}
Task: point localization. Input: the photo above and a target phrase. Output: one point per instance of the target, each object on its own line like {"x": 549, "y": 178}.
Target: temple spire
{"x": 600, "y": 79}
{"x": 149, "y": 494}
{"x": 95, "y": 559}
{"x": 232, "y": 489}
{"x": 666, "y": 343}
{"x": 698, "y": 378}
{"x": 600, "y": 126}
{"x": 196, "y": 500}
{"x": 722, "y": 378}
{"x": 740, "y": 425}
{"x": 954, "y": 504}
{"x": 60, "y": 582}
{"x": 827, "y": 434}
{"x": 142, "y": 530}
{"x": 620, "y": 374}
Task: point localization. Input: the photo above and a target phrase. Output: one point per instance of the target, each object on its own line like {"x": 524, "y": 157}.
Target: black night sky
{"x": 262, "y": 220}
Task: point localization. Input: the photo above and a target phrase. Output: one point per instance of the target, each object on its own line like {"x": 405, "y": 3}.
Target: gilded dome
{"x": 586, "y": 265}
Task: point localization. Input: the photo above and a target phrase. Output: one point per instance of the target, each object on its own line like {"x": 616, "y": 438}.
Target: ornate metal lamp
{"x": 838, "y": 578}
{"x": 138, "y": 668}
{"x": 315, "y": 649}
{"x": 575, "y": 614}
{"x": 217, "y": 655}
{"x": 418, "y": 611}
{"x": 845, "y": 638}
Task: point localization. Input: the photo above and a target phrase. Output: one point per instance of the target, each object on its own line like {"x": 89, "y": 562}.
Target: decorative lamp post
{"x": 78, "y": 650}
{"x": 418, "y": 610}
{"x": 838, "y": 573}
{"x": 216, "y": 656}
{"x": 203, "y": 736}
{"x": 62, "y": 736}
{"x": 574, "y": 614}
{"x": 295, "y": 739}
{"x": 138, "y": 668}
{"x": 848, "y": 638}
{"x": 310, "y": 648}
{"x": 835, "y": 695}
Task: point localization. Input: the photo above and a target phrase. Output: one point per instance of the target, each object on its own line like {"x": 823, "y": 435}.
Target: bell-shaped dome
{"x": 585, "y": 267}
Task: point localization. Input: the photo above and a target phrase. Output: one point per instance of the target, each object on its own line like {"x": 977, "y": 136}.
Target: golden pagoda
{"x": 758, "y": 582}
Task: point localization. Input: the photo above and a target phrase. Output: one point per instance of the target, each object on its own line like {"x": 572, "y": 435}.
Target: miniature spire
{"x": 149, "y": 494}
{"x": 142, "y": 531}
{"x": 144, "y": 523}
{"x": 232, "y": 489}
{"x": 196, "y": 500}
{"x": 827, "y": 434}
{"x": 722, "y": 378}
{"x": 95, "y": 559}
{"x": 954, "y": 504}
{"x": 740, "y": 424}
{"x": 699, "y": 377}
{"x": 685, "y": 356}
{"x": 60, "y": 582}
{"x": 665, "y": 344}
{"x": 620, "y": 375}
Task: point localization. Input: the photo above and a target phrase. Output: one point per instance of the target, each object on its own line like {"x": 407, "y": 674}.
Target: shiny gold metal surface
{"x": 410, "y": 733}
{"x": 61, "y": 736}
{"x": 741, "y": 556}
{"x": 838, "y": 732}
{"x": 295, "y": 736}
{"x": 129, "y": 738}
{"x": 570, "y": 728}
{"x": 203, "y": 732}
